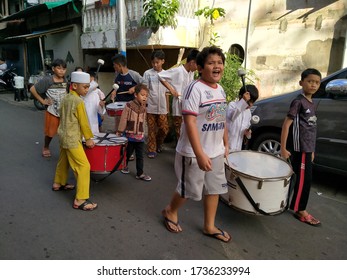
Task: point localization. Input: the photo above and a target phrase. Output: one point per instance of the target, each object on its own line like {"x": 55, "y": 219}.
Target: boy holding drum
{"x": 202, "y": 146}
{"x": 73, "y": 125}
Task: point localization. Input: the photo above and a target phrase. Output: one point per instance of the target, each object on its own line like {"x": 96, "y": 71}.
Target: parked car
{"x": 331, "y": 111}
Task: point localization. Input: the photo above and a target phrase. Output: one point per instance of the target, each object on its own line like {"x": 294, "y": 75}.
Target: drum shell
{"x": 269, "y": 193}
{"x": 104, "y": 157}
{"x": 115, "y": 108}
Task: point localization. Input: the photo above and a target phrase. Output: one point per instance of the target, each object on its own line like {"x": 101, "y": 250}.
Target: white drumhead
{"x": 109, "y": 139}
{"x": 258, "y": 164}
{"x": 116, "y": 105}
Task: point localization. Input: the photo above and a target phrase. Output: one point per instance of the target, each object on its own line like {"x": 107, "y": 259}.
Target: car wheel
{"x": 269, "y": 143}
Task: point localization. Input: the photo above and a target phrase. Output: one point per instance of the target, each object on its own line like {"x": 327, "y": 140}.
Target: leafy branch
{"x": 159, "y": 13}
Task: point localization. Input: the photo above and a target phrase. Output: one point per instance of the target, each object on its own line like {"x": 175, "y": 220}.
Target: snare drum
{"x": 108, "y": 153}
{"x": 265, "y": 177}
{"x": 115, "y": 108}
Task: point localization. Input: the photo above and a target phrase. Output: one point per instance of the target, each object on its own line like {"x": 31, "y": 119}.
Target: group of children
{"x": 211, "y": 128}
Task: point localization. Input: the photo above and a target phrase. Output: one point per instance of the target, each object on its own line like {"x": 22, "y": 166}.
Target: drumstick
{"x": 123, "y": 92}
{"x": 114, "y": 87}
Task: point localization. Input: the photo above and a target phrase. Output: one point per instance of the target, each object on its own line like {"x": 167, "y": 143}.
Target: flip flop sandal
{"x": 168, "y": 223}
{"x": 67, "y": 187}
{"x": 84, "y": 204}
{"x": 217, "y": 235}
{"x": 144, "y": 177}
{"x": 46, "y": 153}
{"x": 151, "y": 154}
{"x": 308, "y": 219}
{"x": 131, "y": 158}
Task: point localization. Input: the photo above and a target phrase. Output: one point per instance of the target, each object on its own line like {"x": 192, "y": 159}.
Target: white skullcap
{"x": 80, "y": 77}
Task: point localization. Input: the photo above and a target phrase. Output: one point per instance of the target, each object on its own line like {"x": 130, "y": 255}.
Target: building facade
{"x": 277, "y": 39}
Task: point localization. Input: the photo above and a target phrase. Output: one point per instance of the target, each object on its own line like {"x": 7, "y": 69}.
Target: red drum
{"x": 115, "y": 108}
{"x": 108, "y": 154}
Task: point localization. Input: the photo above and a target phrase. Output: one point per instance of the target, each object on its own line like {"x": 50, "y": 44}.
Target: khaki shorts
{"x": 193, "y": 182}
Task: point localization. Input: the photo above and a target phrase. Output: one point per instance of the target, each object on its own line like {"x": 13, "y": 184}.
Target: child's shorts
{"x": 194, "y": 182}
{"x": 51, "y": 124}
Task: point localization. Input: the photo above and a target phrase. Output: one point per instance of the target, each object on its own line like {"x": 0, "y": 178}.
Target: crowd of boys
{"x": 196, "y": 104}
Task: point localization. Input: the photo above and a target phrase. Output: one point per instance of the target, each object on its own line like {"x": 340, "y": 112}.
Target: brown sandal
{"x": 84, "y": 204}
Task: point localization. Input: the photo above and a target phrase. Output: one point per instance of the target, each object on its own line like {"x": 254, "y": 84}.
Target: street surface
{"x": 39, "y": 224}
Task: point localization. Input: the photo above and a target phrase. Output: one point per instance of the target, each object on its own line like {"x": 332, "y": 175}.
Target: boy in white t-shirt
{"x": 239, "y": 117}
{"x": 176, "y": 80}
{"x": 94, "y": 104}
{"x": 200, "y": 151}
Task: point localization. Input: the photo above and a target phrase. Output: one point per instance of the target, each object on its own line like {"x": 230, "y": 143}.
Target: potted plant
{"x": 158, "y": 13}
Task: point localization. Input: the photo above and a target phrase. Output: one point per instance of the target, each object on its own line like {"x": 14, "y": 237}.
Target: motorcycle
{"x": 7, "y": 79}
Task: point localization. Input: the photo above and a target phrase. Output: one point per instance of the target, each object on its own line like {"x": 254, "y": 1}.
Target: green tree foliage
{"x": 211, "y": 13}
{"x": 158, "y": 13}
{"x": 230, "y": 81}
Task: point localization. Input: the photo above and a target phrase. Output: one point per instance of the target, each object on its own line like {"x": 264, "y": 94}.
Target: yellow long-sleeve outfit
{"x": 73, "y": 125}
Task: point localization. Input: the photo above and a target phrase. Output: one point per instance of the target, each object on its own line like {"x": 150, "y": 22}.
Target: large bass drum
{"x": 108, "y": 154}
{"x": 258, "y": 183}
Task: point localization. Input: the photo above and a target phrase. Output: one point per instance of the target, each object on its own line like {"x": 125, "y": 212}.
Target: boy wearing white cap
{"x": 73, "y": 125}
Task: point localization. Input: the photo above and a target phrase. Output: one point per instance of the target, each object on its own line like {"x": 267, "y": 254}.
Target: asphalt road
{"x": 39, "y": 224}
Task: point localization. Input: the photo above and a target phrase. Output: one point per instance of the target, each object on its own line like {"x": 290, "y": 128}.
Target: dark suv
{"x": 331, "y": 111}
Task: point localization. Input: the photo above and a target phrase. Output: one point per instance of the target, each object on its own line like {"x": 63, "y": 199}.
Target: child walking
{"x": 200, "y": 151}
{"x": 303, "y": 118}
{"x": 158, "y": 126}
{"x": 239, "y": 117}
{"x": 54, "y": 88}
{"x": 74, "y": 125}
{"x": 132, "y": 124}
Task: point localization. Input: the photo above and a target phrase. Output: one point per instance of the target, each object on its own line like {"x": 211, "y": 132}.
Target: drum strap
{"x": 249, "y": 197}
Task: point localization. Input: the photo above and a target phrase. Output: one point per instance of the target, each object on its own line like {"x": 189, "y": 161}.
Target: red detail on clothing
{"x": 301, "y": 183}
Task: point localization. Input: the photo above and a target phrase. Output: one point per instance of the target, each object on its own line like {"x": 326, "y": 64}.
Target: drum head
{"x": 259, "y": 165}
{"x": 116, "y": 106}
{"x": 108, "y": 139}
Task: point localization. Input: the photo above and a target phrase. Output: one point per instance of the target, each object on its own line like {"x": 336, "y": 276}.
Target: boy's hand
{"x": 248, "y": 133}
{"x": 285, "y": 153}
{"x": 113, "y": 95}
{"x": 102, "y": 103}
{"x": 175, "y": 93}
{"x": 90, "y": 143}
{"x": 47, "y": 101}
{"x": 204, "y": 162}
{"x": 131, "y": 90}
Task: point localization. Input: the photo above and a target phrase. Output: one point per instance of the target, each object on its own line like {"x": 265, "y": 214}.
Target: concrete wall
{"x": 284, "y": 38}
{"x": 66, "y": 45}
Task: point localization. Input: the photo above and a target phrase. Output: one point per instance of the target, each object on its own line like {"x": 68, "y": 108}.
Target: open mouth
{"x": 216, "y": 72}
